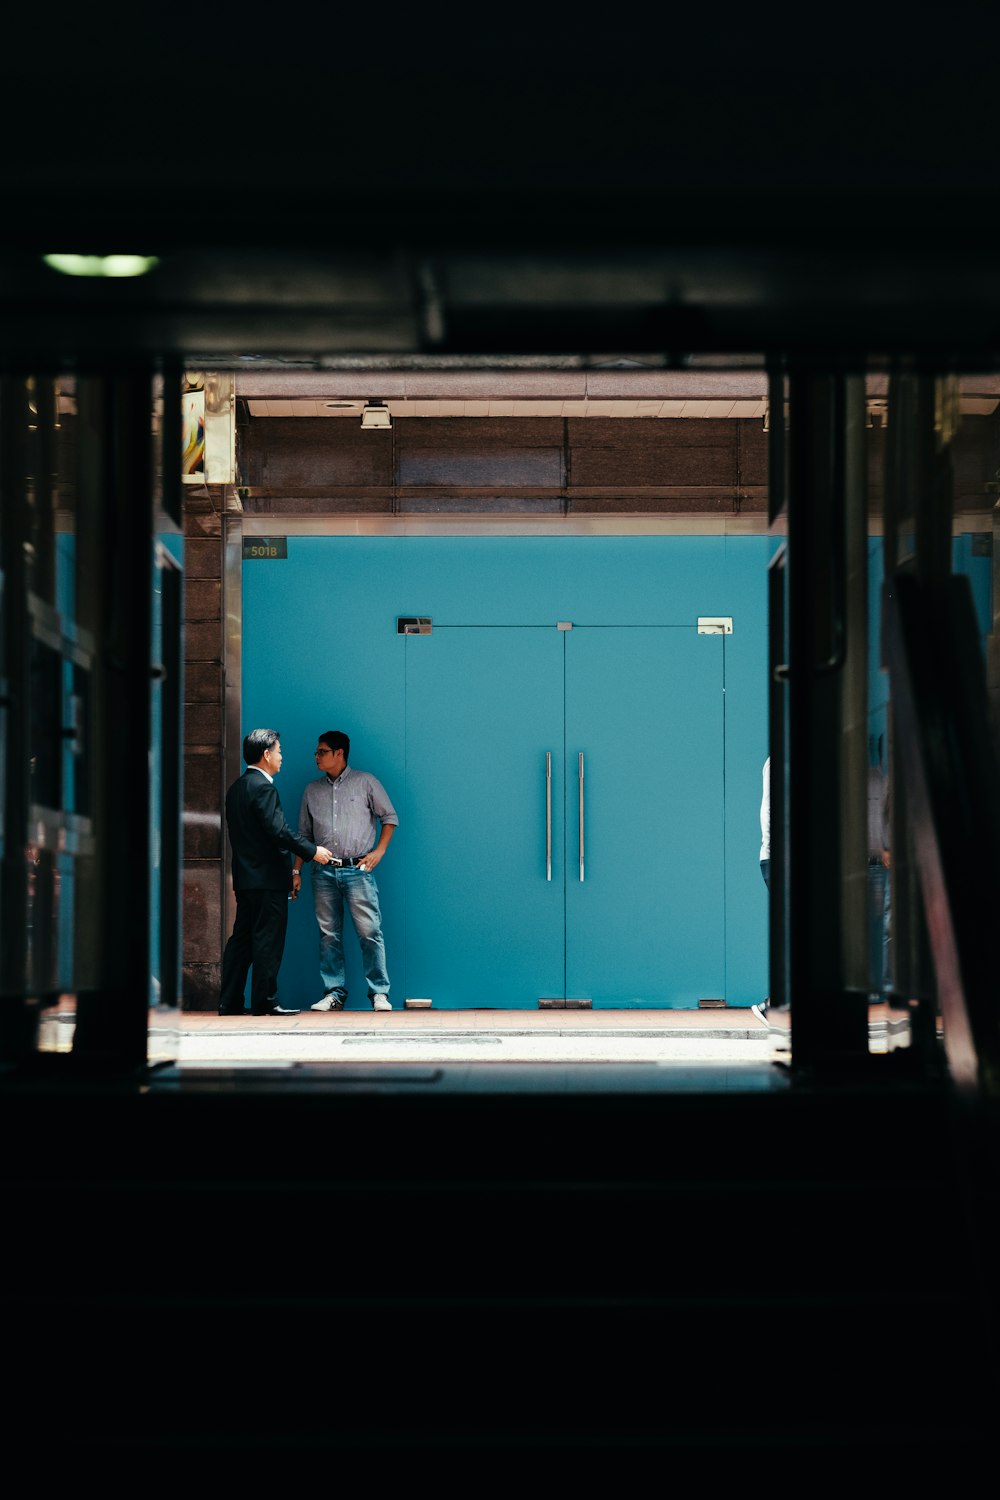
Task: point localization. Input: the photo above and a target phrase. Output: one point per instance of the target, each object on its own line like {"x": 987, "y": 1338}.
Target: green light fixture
{"x": 101, "y": 265}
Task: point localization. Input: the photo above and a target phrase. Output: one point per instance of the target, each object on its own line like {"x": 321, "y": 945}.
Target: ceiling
{"x": 499, "y": 407}
{"x": 609, "y": 392}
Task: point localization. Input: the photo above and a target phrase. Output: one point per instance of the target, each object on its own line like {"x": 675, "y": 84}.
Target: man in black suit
{"x": 262, "y": 879}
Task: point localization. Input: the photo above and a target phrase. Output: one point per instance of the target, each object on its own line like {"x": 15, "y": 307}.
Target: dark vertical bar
{"x": 777, "y": 594}
{"x": 4, "y": 679}
{"x": 93, "y": 875}
{"x": 853, "y": 700}
{"x": 45, "y": 736}
{"x": 778, "y": 990}
{"x": 171, "y": 487}
{"x": 112, "y": 1019}
{"x": 18, "y": 1014}
{"x": 915, "y": 545}
{"x": 777, "y": 444}
{"x": 993, "y": 639}
{"x": 829, "y": 1022}
{"x": 172, "y": 664}
{"x": 232, "y": 679}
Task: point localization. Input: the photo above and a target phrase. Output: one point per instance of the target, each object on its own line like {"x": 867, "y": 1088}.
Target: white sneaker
{"x": 381, "y": 1002}
{"x": 328, "y": 1002}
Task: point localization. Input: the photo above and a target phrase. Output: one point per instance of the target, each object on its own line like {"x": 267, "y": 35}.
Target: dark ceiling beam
{"x": 225, "y": 308}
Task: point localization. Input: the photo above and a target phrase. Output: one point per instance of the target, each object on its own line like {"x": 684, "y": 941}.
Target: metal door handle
{"x": 548, "y": 815}
{"x": 581, "y": 814}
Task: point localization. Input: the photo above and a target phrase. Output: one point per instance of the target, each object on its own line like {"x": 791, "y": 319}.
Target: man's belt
{"x": 340, "y": 863}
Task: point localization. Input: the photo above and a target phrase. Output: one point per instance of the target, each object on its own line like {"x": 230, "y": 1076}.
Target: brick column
{"x": 203, "y": 747}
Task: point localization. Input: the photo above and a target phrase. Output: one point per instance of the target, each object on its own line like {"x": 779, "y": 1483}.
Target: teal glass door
{"x": 645, "y": 926}
{"x": 484, "y": 922}
{"x": 497, "y": 914}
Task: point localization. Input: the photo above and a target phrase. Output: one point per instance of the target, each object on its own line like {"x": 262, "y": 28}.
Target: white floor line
{"x": 217, "y": 1050}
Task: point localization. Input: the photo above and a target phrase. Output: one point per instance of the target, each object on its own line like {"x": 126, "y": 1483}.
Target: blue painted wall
{"x": 320, "y": 651}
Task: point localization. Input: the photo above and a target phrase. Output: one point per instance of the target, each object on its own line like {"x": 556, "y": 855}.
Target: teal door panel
{"x": 484, "y": 924}
{"x": 646, "y": 924}
{"x": 321, "y": 652}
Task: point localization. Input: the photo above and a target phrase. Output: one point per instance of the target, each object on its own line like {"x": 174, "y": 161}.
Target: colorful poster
{"x": 193, "y": 429}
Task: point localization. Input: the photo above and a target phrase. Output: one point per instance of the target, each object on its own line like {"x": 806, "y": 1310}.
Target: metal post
{"x": 113, "y": 1017}
{"x": 829, "y": 1018}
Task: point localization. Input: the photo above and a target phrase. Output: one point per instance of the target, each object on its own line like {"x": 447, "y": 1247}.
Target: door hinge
{"x": 413, "y": 625}
{"x": 715, "y": 624}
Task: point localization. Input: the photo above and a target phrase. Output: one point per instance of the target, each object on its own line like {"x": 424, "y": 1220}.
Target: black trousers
{"x": 257, "y": 942}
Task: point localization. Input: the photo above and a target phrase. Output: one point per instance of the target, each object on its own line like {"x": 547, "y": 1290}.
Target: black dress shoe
{"x": 276, "y": 1010}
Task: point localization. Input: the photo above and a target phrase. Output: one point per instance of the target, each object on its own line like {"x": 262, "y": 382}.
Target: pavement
{"x": 732, "y": 1037}
{"x": 473, "y": 1035}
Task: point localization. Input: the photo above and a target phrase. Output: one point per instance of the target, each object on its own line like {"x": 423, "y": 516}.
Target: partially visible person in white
{"x": 765, "y": 825}
{"x": 760, "y": 1011}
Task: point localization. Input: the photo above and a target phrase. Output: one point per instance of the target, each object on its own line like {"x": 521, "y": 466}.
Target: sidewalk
{"x": 438, "y": 1036}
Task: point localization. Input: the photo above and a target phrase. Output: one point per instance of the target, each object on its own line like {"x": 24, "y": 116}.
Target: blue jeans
{"x": 333, "y": 888}
{"x": 879, "y": 929}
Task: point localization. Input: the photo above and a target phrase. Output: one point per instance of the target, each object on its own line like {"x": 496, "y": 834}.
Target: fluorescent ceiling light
{"x": 101, "y": 265}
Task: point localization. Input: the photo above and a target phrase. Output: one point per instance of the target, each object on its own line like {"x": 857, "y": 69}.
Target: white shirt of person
{"x": 765, "y": 813}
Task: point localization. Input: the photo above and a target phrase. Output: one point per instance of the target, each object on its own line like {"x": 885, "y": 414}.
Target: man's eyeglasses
{"x": 322, "y": 750}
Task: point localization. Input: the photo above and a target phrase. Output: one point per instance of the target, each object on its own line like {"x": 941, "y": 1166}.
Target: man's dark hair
{"x": 256, "y": 742}
{"x": 337, "y": 740}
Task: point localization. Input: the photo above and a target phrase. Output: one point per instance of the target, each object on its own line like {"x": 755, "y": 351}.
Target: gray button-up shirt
{"x": 342, "y": 815}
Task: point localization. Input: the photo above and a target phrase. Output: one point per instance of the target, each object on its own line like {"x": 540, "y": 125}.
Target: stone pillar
{"x": 204, "y": 790}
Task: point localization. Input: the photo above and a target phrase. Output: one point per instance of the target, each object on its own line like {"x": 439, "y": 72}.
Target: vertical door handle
{"x": 581, "y": 814}
{"x": 548, "y": 815}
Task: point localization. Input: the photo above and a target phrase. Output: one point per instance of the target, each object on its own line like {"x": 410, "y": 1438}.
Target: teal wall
{"x": 320, "y": 651}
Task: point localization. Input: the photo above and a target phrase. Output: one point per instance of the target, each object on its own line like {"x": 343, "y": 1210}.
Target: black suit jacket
{"x": 259, "y": 835}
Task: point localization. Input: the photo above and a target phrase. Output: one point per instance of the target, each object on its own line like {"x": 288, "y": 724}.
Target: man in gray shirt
{"x": 348, "y": 806}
